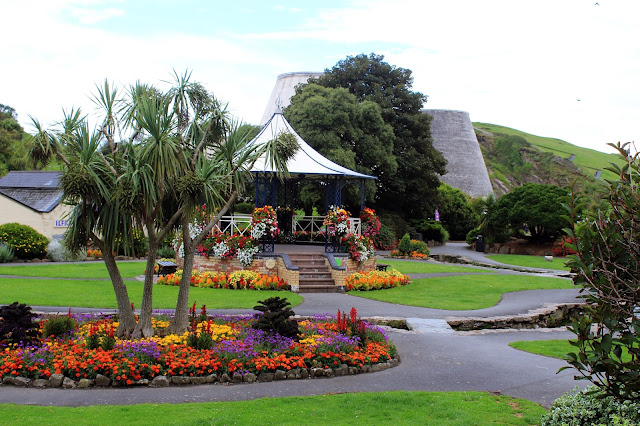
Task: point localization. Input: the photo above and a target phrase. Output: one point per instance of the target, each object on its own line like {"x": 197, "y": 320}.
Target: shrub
{"x": 166, "y": 252}
{"x": 26, "y": 242}
{"x": 433, "y": 231}
{"x": 386, "y": 238}
{"x": 413, "y": 248}
{"x": 472, "y": 235}
{"x": 59, "y": 326}
{"x": 375, "y": 280}
{"x": 138, "y": 246}
{"x": 17, "y": 326}
{"x": 275, "y": 318}
{"x": 56, "y": 252}
{"x": 591, "y": 407}
{"x": 245, "y": 208}
{"x": 560, "y": 247}
{"x": 6, "y": 253}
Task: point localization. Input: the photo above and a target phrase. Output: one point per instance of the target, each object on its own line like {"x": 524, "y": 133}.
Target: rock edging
{"x": 101, "y": 381}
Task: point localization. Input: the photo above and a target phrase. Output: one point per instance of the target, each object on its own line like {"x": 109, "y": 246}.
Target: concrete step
{"x": 318, "y": 288}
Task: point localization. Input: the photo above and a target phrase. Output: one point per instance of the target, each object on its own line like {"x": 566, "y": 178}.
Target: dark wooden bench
{"x": 166, "y": 267}
{"x": 381, "y": 267}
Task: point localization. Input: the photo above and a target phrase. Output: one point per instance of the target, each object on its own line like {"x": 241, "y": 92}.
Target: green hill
{"x": 587, "y": 160}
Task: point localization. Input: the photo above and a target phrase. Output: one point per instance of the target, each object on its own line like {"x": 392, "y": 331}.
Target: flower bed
{"x": 238, "y": 280}
{"x": 375, "y": 280}
{"x": 325, "y": 346}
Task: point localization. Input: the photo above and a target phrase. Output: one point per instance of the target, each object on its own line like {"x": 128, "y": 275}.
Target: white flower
{"x": 258, "y": 230}
{"x": 220, "y": 249}
{"x": 245, "y": 255}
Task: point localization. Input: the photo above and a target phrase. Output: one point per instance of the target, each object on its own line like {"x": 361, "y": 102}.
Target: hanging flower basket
{"x": 264, "y": 223}
{"x": 337, "y": 222}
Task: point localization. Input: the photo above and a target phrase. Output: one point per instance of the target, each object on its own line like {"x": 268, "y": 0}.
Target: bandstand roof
{"x": 307, "y": 162}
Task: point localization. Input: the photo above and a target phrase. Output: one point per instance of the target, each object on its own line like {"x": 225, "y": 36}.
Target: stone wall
{"x": 350, "y": 266}
{"x": 201, "y": 263}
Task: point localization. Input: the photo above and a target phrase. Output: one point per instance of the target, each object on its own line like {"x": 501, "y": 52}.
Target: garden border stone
{"x": 58, "y": 380}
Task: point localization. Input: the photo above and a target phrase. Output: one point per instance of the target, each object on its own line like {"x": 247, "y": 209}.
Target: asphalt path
{"x": 433, "y": 358}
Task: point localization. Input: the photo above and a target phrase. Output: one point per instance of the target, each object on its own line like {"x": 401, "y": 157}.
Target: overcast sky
{"x": 567, "y": 69}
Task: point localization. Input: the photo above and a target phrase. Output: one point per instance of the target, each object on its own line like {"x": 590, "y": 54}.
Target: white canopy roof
{"x": 307, "y": 161}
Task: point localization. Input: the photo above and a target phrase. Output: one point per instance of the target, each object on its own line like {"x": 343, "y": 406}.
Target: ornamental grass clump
{"x": 59, "y": 326}
{"x": 6, "y": 253}
{"x": 375, "y": 280}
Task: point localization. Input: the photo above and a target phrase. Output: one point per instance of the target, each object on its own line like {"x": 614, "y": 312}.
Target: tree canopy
{"x": 537, "y": 207}
{"x": 13, "y": 150}
{"x": 412, "y": 189}
{"x": 351, "y": 133}
{"x": 456, "y": 213}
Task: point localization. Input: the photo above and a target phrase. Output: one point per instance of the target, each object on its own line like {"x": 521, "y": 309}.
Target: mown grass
{"x": 87, "y": 270}
{"x": 401, "y": 407}
{"x": 587, "y": 159}
{"x": 99, "y": 294}
{"x": 530, "y": 261}
{"x": 462, "y": 292}
{"x": 553, "y": 348}
{"x": 412, "y": 267}
{"x": 550, "y": 348}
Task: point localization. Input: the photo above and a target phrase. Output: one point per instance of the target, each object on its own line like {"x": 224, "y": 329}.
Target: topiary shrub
{"x": 404, "y": 246}
{"x": 275, "y": 318}
{"x": 59, "y": 326}
{"x": 26, "y": 242}
{"x": 433, "y": 231}
{"x": 472, "y": 235}
{"x": 17, "y": 326}
{"x": 591, "y": 407}
{"x": 56, "y": 252}
{"x": 6, "y": 253}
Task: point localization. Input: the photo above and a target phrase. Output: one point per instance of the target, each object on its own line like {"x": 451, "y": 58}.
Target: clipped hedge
{"x": 26, "y": 242}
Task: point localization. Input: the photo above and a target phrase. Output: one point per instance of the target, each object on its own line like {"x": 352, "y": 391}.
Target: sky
{"x": 566, "y": 69}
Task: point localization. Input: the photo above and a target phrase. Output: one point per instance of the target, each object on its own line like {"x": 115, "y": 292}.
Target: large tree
{"x": 351, "y": 133}
{"x": 537, "y": 207}
{"x": 412, "y": 190}
{"x": 456, "y": 213}
{"x": 13, "y": 152}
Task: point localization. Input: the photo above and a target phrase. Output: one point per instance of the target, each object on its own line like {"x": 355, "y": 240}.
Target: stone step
{"x": 318, "y": 288}
{"x": 316, "y": 281}
{"x": 315, "y": 275}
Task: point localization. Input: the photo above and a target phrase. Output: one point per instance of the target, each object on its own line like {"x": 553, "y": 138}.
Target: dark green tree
{"x": 607, "y": 267}
{"x": 536, "y": 207}
{"x": 13, "y": 152}
{"x": 351, "y": 133}
{"x": 412, "y": 190}
{"x": 456, "y": 213}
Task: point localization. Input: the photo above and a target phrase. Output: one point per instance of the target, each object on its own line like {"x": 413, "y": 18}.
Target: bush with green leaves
{"x": 472, "y": 235}
{"x": 166, "y": 252}
{"x": 57, "y": 252}
{"x": 6, "y": 253}
{"x": 26, "y": 242}
{"x": 138, "y": 247}
{"x": 386, "y": 238}
{"x": 276, "y": 317}
{"x": 244, "y": 208}
{"x": 433, "y": 231}
{"x": 59, "y": 326}
{"x": 17, "y": 325}
{"x": 456, "y": 213}
{"x": 591, "y": 407}
{"x": 406, "y": 246}
{"x": 607, "y": 269}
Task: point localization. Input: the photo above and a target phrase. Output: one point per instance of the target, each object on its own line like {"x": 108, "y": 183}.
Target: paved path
{"x": 434, "y": 358}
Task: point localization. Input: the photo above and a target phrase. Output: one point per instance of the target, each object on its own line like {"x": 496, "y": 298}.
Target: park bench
{"x": 166, "y": 267}
{"x": 381, "y": 267}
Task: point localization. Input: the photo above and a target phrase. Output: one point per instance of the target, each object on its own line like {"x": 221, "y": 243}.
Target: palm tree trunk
{"x": 144, "y": 327}
{"x": 180, "y": 322}
{"x": 127, "y": 319}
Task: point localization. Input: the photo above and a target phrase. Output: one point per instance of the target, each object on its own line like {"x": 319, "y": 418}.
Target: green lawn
{"x": 409, "y": 267}
{"x": 551, "y": 348}
{"x": 432, "y": 408}
{"x": 73, "y": 270}
{"x": 462, "y": 292}
{"x": 99, "y": 294}
{"x": 530, "y": 261}
{"x": 587, "y": 159}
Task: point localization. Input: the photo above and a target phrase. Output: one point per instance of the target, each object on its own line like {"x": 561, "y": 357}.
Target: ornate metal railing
{"x": 305, "y": 228}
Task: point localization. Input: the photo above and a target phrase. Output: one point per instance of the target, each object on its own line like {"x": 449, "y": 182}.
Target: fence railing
{"x": 305, "y": 228}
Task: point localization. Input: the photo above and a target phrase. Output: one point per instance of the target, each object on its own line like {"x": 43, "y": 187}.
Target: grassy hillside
{"x": 589, "y": 160}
